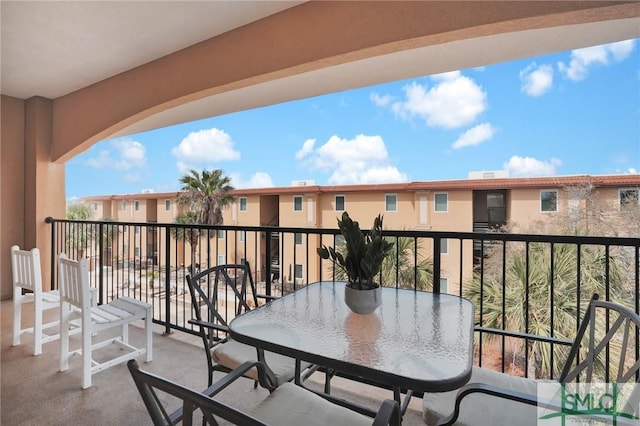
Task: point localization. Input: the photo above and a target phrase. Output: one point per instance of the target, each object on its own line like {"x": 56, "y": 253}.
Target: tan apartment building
{"x": 478, "y": 204}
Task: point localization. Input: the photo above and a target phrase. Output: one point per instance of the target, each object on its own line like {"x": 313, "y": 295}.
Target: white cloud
{"x": 381, "y": 100}
{"x": 450, "y": 75}
{"x": 132, "y": 177}
{"x": 475, "y": 136}
{"x": 536, "y": 80}
{"x": 528, "y": 166}
{"x": 121, "y": 155}
{"x": 337, "y": 151}
{"x": 204, "y": 147}
{"x": 257, "y": 180}
{"x": 361, "y": 175}
{"x": 363, "y": 159}
{"x": 307, "y": 148}
{"x": 583, "y": 59}
{"x": 455, "y": 101}
{"x": 621, "y": 49}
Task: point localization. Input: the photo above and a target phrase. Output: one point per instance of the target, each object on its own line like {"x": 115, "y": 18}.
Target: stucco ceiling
{"x": 51, "y": 48}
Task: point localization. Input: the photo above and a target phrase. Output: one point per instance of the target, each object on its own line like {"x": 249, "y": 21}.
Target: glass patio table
{"x": 415, "y": 341}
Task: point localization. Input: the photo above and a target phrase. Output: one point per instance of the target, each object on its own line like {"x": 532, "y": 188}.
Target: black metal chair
{"x": 287, "y": 405}
{"x": 607, "y": 339}
{"x": 210, "y": 291}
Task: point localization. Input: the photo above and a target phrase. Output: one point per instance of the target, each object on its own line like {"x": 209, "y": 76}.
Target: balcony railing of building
{"x": 530, "y": 291}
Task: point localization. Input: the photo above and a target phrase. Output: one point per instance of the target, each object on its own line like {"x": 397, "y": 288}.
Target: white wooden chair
{"x": 75, "y": 293}
{"x": 25, "y": 265}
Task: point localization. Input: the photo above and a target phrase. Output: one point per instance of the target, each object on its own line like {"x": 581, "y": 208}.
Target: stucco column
{"x": 44, "y": 192}
{"x": 11, "y": 185}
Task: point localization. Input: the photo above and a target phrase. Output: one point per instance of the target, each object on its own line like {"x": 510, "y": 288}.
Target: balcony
{"x": 516, "y": 273}
{"x": 55, "y": 398}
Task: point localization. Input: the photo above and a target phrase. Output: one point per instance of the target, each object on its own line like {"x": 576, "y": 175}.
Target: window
{"x": 95, "y": 206}
{"x": 444, "y": 285}
{"x": 241, "y": 235}
{"x": 136, "y": 251}
{"x": 340, "y": 241}
{"x": 441, "y": 202}
{"x": 496, "y": 208}
{"x": 444, "y": 246}
{"x": 221, "y": 259}
{"x": 549, "y": 201}
{"x": 298, "y": 239}
{"x": 297, "y": 203}
{"x": 243, "y": 204}
{"x": 298, "y": 271}
{"x": 123, "y": 206}
{"x": 136, "y": 229}
{"x": 339, "y": 203}
{"x": 243, "y": 261}
{"x": 136, "y": 205}
{"x": 220, "y": 234}
{"x": 167, "y": 205}
{"x": 390, "y": 203}
{"x": 629, "y": 198}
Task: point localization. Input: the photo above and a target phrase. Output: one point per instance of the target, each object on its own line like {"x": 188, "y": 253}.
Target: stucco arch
{"x": 320, "y": 42}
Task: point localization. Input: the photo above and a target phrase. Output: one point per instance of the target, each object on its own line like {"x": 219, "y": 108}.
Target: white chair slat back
{"x": 74, "y": 282}
{"x": 26, "y": 269}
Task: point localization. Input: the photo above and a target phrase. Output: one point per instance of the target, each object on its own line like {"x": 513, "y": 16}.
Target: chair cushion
{"x": 480, "y": 409}
{"x": 293, "y": 405}
{"x": 232, "y": 354}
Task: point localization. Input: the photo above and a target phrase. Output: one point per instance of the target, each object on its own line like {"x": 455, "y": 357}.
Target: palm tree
{"x": 78, "y": 235}
{"x": 537, "y": 285}
{"x": 399, "y": 266}
{"x": 110, "y": 231}
{"x": 206, "y": 193}
{"x": 187, "y": 234}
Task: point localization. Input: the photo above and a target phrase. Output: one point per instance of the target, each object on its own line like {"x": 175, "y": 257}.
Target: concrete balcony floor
{"x": 34, "y": 392}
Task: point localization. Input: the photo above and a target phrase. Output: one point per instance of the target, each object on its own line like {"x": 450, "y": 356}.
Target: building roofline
{"x": 619, "y": 180}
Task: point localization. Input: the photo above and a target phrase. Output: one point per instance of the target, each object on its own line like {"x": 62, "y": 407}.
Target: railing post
{"x": 267, "y": 253}
{"x": 167, "y": 286}
{"x": 52, "y": 222}
{"x": 437, "y": 246}
{"x": 101, "y": 236}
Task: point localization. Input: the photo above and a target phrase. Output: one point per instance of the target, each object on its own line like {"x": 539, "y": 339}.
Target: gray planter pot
{"x": 363, "y": 301}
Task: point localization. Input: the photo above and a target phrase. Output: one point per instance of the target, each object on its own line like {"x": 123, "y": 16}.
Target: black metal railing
{"x": 530, "y": 291}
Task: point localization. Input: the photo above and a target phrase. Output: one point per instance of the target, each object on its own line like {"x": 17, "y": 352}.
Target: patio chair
{"x": 223, "y": 353}
{"x": 289, "y": 404}
{"x": 76, "y": 308}
{"x": 494, "y": 398}
{"x": 27, "y": 275}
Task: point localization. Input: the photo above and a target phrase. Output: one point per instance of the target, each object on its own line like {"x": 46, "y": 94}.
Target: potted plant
{"x": 361, "y": 262}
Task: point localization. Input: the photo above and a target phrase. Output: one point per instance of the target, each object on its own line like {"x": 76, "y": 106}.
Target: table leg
{"x": 404, "y": 404}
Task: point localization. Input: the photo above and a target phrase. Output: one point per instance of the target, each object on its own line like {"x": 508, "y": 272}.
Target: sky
{"x": 574, "y": 112}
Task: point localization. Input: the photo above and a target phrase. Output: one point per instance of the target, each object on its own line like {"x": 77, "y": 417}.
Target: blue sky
{"x": 574, "y": 112}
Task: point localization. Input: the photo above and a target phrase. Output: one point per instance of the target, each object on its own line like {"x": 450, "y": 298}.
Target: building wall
{"x": 163, "y": 214}
{"x": 415, "y": 210}
{"x": 524, "y": 208}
